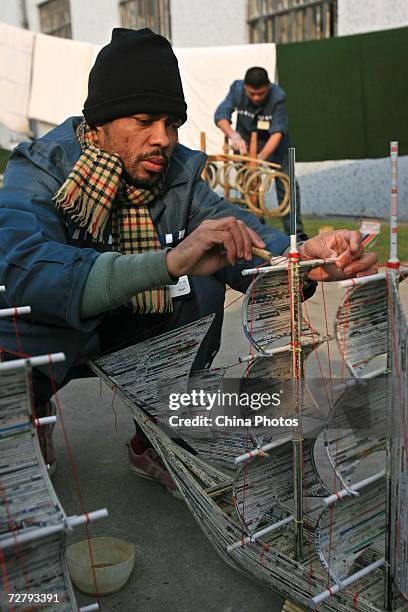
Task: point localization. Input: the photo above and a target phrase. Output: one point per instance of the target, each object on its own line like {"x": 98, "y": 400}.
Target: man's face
{"x": 256, "y": 94}
{"x": 143, "y": 142}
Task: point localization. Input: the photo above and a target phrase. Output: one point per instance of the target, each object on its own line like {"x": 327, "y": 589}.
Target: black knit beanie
{"x": 137, "y": 72}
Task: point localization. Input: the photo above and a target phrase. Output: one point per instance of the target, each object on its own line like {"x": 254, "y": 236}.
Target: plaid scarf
{"x": 95, "y": 190}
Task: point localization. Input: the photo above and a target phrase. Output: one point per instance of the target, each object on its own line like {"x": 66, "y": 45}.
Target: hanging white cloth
{"x": 60, "y": 78}
{"x": 16, "y": 48}
{"x": 206, "y": 74}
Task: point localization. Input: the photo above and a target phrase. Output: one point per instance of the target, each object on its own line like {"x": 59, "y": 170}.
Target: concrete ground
{"x": 176, "y": 567}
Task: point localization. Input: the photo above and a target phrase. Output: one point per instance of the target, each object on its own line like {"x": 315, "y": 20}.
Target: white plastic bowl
{"x": 113, "y": 563}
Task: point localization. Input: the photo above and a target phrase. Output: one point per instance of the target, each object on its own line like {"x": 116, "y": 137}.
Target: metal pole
{"x": 292, "y": 199}
{"x": 297, "y": 362}
{"x": 392, "y": 270}
{"x": 394, "y": 198}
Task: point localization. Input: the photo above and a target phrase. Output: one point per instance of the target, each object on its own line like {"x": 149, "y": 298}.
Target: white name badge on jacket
{"x": 263, "y": 124}
{"x": 182, "y": 287}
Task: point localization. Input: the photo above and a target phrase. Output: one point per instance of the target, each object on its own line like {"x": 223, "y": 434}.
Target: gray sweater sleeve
{"x": 115, "y": 278}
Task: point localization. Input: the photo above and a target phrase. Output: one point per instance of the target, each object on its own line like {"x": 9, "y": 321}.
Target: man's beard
{"x": 146, "y": 182}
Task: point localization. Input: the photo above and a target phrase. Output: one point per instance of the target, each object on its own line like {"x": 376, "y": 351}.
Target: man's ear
{"x": 100, "y": 132}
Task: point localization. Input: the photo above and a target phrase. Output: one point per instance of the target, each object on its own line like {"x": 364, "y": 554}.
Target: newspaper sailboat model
{"x": 259, "y": 496}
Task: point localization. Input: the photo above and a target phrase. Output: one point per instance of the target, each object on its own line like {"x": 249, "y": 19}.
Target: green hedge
{"x": 347, "y": 97}
{"x": 4, "y": 155}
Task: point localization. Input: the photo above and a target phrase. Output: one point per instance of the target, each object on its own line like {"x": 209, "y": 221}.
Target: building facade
{"x": 197, "y": 23}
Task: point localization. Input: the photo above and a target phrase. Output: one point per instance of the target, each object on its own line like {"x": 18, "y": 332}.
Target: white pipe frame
{"x": 15, "y": 311}
{"x": 262, "y": 450}
{"x": 345, "y": 583}
{"x": 312, "y": 263}
{"x": 39, "y": 360}
{"x": 23, "y": 537}
{"x": 258, "y": 534}
{"x": 331, "y": 499}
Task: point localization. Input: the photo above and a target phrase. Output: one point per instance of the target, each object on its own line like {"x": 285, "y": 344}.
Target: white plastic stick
{"x": 355, "y": 487}
{"x": 284, "y": 266}
{"x": 292, "y": 199}
{"x": 346, "y": 582}
{"x": 45, "y": 421}
{"x": 246, "y": 358}
{"x": 89, "y": 608}
{"x": 262, "y": 450}
{"x": 361, "y": 280}
{"x": 284, "y": 349}
{"x": 11, "y": 312}
{"x": 394, "y": 202}
{"x": 260, "y": 533}
{"x": 280, "y": 349}
{"x": 34, "y": 361}
{"x": 74, "y": 521}
{"x": 2, "y": 288}
{"x": 351, "y": 382}
{"x": 45, "y": 532}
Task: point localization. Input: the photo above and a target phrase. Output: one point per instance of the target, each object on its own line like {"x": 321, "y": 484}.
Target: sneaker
{"x": 44, "y": 433}
{"x": 150, "y": 466}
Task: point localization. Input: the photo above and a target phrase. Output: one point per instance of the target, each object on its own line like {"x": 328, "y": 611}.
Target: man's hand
{"x": 211, "y": 246}
{"x": 346, "y": 246}
{"x": 238, "y": 143}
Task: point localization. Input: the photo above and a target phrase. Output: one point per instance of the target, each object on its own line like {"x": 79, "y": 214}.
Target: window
{"x": 55, "y": 18}
{"x": 153, "y": 14}
{"x": 283, "y": 21}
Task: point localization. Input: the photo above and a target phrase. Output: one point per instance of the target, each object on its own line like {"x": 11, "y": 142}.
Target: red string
{"x": 114, "y": 389}
{"x": 75, "y": 478}
{"x": 17, "y": 333}
{"x": 314, "y": 333}
{"x": 21, "y": 355}
{"x": 265, "y": 548}
{"x": 5, "y": 580}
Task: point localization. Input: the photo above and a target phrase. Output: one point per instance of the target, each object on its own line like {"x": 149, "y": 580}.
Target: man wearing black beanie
{"x": 109, "y": 212}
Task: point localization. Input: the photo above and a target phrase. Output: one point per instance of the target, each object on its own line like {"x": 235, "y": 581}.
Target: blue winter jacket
{"x": 266, "y": 118}
{"x": 44, "y": 262}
